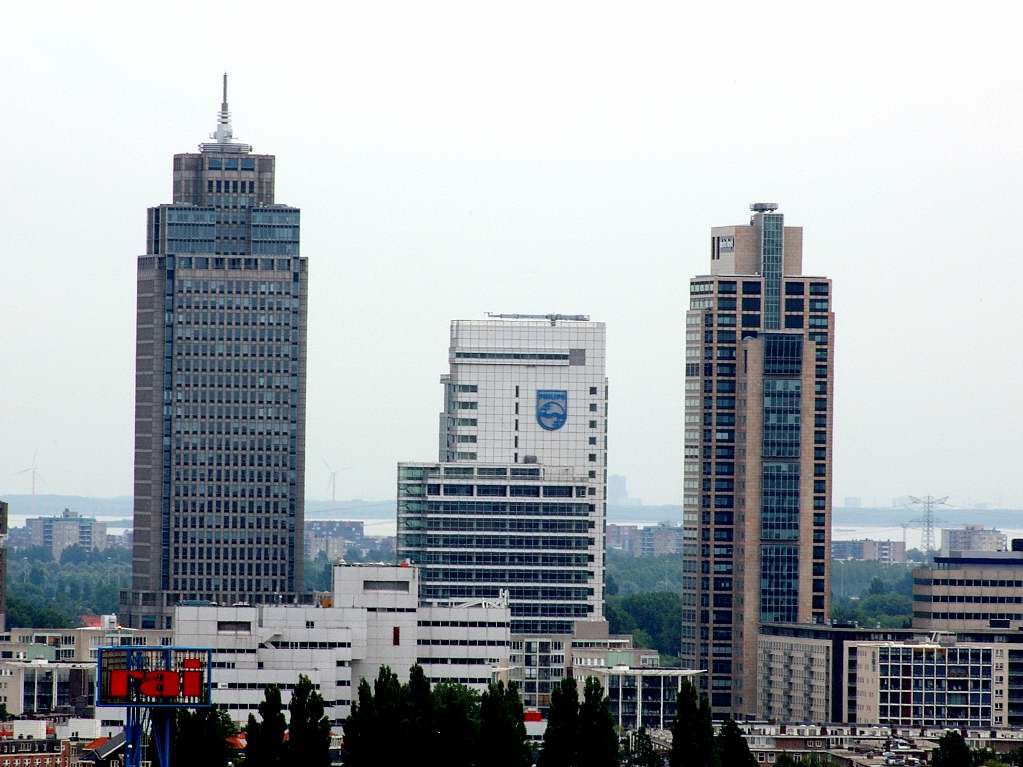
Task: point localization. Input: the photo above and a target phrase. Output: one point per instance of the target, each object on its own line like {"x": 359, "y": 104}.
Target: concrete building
{"x": 594, "y": 645}
{"x": 332, "y": 538}
{"x": 969, "y": 590}
{"x": 972, "y": 538}
{"x": 67, "y": 530}
{"x": 834, "y": 674}
{"x": 932, "y": 684}
{"x": 219, "y": 389}
{"x": 887, "y": 551}
{"x": 623, "y": 538}
{"x": 639, "y": 697}
{"x": 376, "y": 617}
{"x": 647, "y": 541}
{"x": 39, "y": 688}
{"x": 75, "y": 644}
{"x": 759, "y": 367}
{"x": 516, "y": 502}
{"x": 801, "y": 671}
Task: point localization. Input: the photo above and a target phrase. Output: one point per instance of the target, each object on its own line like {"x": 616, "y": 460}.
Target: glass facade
{"x": 220, "y": 391}
{"x": 772, "y": 233}
{"x": 935, "y": 686}
{"x": 779, "y": 504}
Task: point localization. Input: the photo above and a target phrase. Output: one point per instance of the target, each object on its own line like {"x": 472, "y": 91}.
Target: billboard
{"x": 153, "y": 677}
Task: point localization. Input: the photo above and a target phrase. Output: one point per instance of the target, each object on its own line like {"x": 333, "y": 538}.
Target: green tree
{"x": 597, "y": 740}
{"x": 502, "y": 735}
{"x": 692, "y": 732}
{"x": 642, "y": 752}
{"x": 877, "y": 586}
{"x": 308, "y": 726}
{"x": 560, "y": 738}
{"x": 360, "y": 729}
{"x": 952, "y": 751}
{"x": 785, "y": 760}
{"x": 652, "y": 618}
{"x": 733, "y": 751}
{"x": 456, "y": 722}
{"x": 416, "y": 722}
{"x": 200, "y": 737}
{"x": 264, "y": 739}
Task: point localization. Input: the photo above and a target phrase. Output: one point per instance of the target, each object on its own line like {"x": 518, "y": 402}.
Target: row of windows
{"x": 751, "y": 287}
{"x": 230, "y": 185}
{"x": 462, "y": 643}
{"x": 497, "y": 507}
{"x": 485, "y": 558}
{"x": 509, "y": 576}
{"x": 970, "y": 582}
{"x": 969, "y": 598}
{"x": 509, "y": 356}
{"x": 235, "y": 287}
{"x": 231, "y": 163}
{"x": 496, "y": 542}
{"x": 463, "y": 524}
{"x": 514, "y": 491}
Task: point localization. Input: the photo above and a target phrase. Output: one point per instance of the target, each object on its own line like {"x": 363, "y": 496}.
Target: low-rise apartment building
{"x": 972, "y": 538}
{"x": 887, "y": 551}
{"x": 69, "y": 529}
{"x": 848, "y": 674}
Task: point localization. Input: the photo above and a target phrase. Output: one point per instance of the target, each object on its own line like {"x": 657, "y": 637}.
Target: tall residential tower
{"x": 757, "y": 470}
{"x": 516, "y": 501}
{"x": 219, "y": 389}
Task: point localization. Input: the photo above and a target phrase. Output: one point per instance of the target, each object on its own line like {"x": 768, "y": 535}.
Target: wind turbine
{"x": 332, "y": 481}
{"x": 34, "y": 468}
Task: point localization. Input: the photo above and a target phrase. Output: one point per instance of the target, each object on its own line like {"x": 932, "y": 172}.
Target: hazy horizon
{"x": 452, "y": 159}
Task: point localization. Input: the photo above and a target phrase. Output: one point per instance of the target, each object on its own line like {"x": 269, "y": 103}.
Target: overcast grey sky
{"x": 451, "y": 159}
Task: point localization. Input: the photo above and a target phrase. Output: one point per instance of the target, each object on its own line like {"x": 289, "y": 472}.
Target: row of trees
{"x": 308, "y": 730}
{"x": 404, "y": 723}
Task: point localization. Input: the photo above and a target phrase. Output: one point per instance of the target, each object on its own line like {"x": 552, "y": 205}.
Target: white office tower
{"x": 516, "y": 501}
{"x": 374, "y": 618}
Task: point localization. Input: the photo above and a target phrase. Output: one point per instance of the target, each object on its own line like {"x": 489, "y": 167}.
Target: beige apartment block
{"x": 759, "y": 387}
{"x": 931, "y": 684}
{"x": 969, "y": 590}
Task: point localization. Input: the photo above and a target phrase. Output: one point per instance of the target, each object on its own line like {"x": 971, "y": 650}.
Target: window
{"x": 385, "y": 586}
{"x": 396, "y": 636}
{"x": 593, "y": 457}
{"x": 593, "y": 407}
{"x": 593, "y": 390}
{"x": 793, "y": 288}
{"x": 241, "y": 626}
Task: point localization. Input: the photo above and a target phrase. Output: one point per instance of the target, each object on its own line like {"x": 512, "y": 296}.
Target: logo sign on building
{"x": 551, "y": 408}
{"x": 153, "y": 677}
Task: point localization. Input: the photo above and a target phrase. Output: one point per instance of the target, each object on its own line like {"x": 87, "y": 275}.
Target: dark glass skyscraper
{"x": 219, "y": 389}
{"x": 757, "y": 468}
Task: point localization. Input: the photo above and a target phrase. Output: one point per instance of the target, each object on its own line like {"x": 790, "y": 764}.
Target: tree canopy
{"x": 579, "y": 734}
{"x": 450, "y": 722}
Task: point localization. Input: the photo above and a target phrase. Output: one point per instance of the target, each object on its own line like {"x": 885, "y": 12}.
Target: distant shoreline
{"x": 117, "y": 512}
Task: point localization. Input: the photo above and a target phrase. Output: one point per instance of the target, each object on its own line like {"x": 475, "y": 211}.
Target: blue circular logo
{"x": 551, "y": 415}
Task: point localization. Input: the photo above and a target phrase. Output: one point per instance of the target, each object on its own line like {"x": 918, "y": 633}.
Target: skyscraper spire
{"x": 223, "y": 134}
